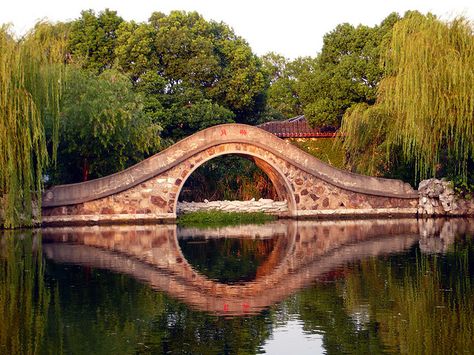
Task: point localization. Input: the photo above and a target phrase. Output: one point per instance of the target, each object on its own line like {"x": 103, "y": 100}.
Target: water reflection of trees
{"x": 227, "y": 260}
{"x": 421, "y": 307}
{"x": 108, "y": 313}
{"x": 412, "y": 304}
{"x": 24, "y": 299}
{"x": 61, "y": 308}
{"x": 403, "y": 303}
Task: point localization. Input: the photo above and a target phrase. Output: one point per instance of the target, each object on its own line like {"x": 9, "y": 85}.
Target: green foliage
{"x": 364, "y": 131}
{"x": 103, "y": 128}
{"x": 463, "y": 187}
{"x": 182, "y": 112}
{"x": 324, "y": 149}
{"x": 31, "y": 71}
{"x": 425, "y": 102}
{"x": 190, "y": 62}
{"x": 346, "y": 72}
{"x": 284, "y": 78}
{"x": 93, "y": 38}
{"x": 228, "y": 178}
{"x": 206, "y": 219}
{"x": 186, "y": 120}
{"x": 428, "y": 90}
{"x": 135, "y": 49}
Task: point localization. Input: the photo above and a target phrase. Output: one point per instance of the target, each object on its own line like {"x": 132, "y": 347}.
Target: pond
{"x": 301, "y": 287}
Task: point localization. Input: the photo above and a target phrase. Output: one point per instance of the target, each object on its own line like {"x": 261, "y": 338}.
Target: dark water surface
{"x": 366, "y": 287}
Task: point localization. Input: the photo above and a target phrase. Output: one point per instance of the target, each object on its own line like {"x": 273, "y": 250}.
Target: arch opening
{"x": 229, "y": 177}
{"x": 238, "y": 176}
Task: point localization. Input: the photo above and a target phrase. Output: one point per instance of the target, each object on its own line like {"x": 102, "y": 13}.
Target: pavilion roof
{"x": 297, "y": 127}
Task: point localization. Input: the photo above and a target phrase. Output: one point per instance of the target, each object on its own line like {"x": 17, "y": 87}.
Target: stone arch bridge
{"x": 149, "y": 190}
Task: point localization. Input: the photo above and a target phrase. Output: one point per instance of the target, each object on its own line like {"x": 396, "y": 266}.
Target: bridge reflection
{"x": 303, "y": 252}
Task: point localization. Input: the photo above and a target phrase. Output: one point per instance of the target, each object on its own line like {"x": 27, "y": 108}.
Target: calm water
{"x": 385, "y": 286}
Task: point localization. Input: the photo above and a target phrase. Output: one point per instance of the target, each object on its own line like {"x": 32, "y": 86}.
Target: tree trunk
{"x": 85, "y": 170}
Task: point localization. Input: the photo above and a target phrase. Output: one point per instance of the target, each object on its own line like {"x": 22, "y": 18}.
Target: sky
{"x": 292, "y": 28}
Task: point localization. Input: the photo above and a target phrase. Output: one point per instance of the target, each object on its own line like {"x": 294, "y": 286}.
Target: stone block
{"x": 326, "y": 202}
{"x": 314, "y": 197}
{"x": 158, "y": 201}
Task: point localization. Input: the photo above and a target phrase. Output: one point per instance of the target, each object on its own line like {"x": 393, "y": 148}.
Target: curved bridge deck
{"x": 149, "y": 190}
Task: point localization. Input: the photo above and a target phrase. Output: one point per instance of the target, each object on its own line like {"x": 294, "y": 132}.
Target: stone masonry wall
{"x": 437, "y": 198}
{"x": 315, "y": 196}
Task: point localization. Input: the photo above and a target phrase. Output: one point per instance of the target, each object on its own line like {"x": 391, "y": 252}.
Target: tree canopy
{"x": 194, "y": 62}
{"x": 347, "y": 72}
{"x": 92, "y": 39}
{"x": 283, "y": 75}
{"x": 187, "y": 74}
{"x": 103, "y": 126}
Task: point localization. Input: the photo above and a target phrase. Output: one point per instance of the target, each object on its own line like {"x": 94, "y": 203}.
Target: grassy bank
{"x": 202, "y": 219}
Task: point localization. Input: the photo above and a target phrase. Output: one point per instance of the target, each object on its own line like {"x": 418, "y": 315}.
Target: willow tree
{"x": 425, "y": 102}
{"x": 30, "y": 84}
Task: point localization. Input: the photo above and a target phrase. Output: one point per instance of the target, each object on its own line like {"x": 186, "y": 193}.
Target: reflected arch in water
{"x": 370, "y": 304}
{"x": 152, "y": 254}
{"x": 233, "y": 259}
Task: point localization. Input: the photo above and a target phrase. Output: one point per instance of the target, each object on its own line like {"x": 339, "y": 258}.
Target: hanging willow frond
{"x": 31, "y": 70}
{"x": 425, "y": 100}
{"x": 429, "y": 90}
{"x": 365, "y": 130}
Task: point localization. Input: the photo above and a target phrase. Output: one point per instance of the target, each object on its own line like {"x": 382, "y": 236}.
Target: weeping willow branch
{"x": 31, "y": 70}
{"x": 426, "y": 97}
{"x": 365, "y": 131}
